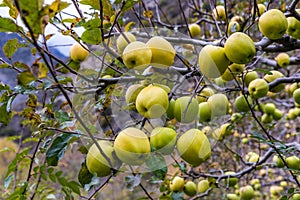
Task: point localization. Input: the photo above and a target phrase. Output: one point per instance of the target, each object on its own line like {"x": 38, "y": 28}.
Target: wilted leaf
{"x": 128, "y": 26}
{"x": 42, "y": 71}
{"x": 148, "y": 13}
{"x": 31, "y": 101}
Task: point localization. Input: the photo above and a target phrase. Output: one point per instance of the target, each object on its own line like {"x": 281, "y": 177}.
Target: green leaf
{"x": 61, "y": 116}
{"x": 57, "y": 149}
{"x": 5, "y": 115}
{"x": 129, "y": 4}
{"x": 24, "y": 78}
{"x": 92, "y": 36}
{"x": 84, "y": 176}
{"x": 132, "y": 181}
{"x": 13, "y": 12}
{"x": 8, "y": 25}
{"x": 91, "y": 24}
{"x": 107, "y": 7}
{"x": 157, "y": 165}
{"x": 4, "y": 65}
{"x": 10, "y": 47}
{"x": 177, "y": 196}
{"x": 13, "y": 164}
{"x": 74, "y": 186}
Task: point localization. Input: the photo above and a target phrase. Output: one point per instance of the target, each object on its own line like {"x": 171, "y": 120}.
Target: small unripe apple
{"x": 233, "y": 27}
{"x": 296, "y": 196}
{"x": 163, "y": 139}
{"x": 275, "y": 190}
{"x": 232, "y": 197}
{"x": 78, "y": 53}
{"x": 219, "y": 13}
{"x": 177, "y": 184}
{"x": 269, "y": 108}
{"x": 278, "y": 161}
{"x": 252, "y": 157}
{"x": 250, "y": 76}
{"x": 272, "y": 77}
{"x": 277, "y": 115}
{"x": 266, "y": 118}
{"x": 246, "y": 192}
{"x": 190, "y": 188}
{"x": 195, "y": 30}
{"x": 258, "y": 88}
{"x": 261, "y": 9}
{"x": 293, "y": 162}
{"x": 232, "y": 71}
{"x": 232, "y": 181}
{"x": 186, "y": 109}
{"x": 204, "y": 112}
{"x": 204, "y": 94}
{"x": 203, "y": 186}
{"x": 241, "y": 104}
{"x": 218, "y": 104}
{"x": 283, "y": 59}
{"x": 296, "y": 96}
{"x": 293, "y": 26}
{"x": 131, "y": 94}
{"x": 122, "y": 42}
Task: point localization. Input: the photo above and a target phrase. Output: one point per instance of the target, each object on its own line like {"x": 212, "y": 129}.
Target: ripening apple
{"x": 275, "y": 190}
{"x": 219, "y": 13}
{"x": 273, "y": 24}
{"x": 233, "y": 71}
{"x": 163, "y": 140}
{"x": 152, "y": 102}
{"x": 258, "y": 88}
{"x": 193, "y": 146}
{"x": 195, "y": 30}
{"x": 218, "y": 104}
{"x": 266, "y": 118}
{"x": 122, "y": 41}
{"x": 269, "y": 108}
{"x": 277, "y": 115}
{"x": 96, "y": 162}
{"x": 232, "y": 197}
{"x": 261, "y": 9}
{"x": 137, "y": 55}
{"x": 293, "y": 26}
{"x": 243, "y": 52}
{"x": 78, "y": 52}
{"x": 163, "y": 53}
{"x": 212, "y": 61}
{"x": 186, "y": 109}
{"x": 203, "y": 186}
{"x": 246, "y": 192}
{"x": 296, "y": 95}
{"x": 252, "y": 157}
{"x": 282, "y": 59}
{"x": 296, "y": 196}
{"x": 241, "y": 104}
{"x": 132, "y": 146}
{"x": 272, "y": 77}
{"x": 131, "y": 95}
{"x": 204, "y": 112}
{"x": 220, "y": 133}
{"x": 293, "y": 162}
{"x": 278, "y": 161}
{"x": 190, "y": 188}
{"x": 250, "y": 76}
{"x": 233, "y": 27}
{"x": 238, "y": 19}
{"x": 232, "y": 181}
{"x": 176, "y": 184}
{"x": 204, "y": 94}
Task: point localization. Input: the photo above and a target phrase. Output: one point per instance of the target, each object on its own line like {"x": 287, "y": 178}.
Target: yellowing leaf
{"x": 148, "y": 13}
{"x": 128, "y": 26}
{"x": 25, "y": 77}
{"x": 43, "y": 70}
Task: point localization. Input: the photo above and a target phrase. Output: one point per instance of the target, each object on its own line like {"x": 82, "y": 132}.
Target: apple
{"x": 293, "y": 87}
{"x": 232, "y": 181}
{"x": 204, "y": 94}
{"x": 266, "y": 118}
{"x": 283, "y": 184}
{"x": 261, "y": 9}
{"x": 195, "y": 30}
{"x": 246, "y": 192}
{"x": 293, "y": 26}
{"x": 97, "y": 163}
{"x": 238, "y": 19}
{"x": 132, "y": 146}
{"x": 219, "y": 13}
{"x": 233, "y": 27}
{"x": 293, "y": 113}
{"x": 193, "y": 146}
{"x": 220, "y": 133}
{"x": 245, "y": 140}
{"x": 277, "y": 115}
{"x": 204, "y": 112}
{"x": 122, "y": 41}
{"x": 241, "y": 104}
{"x": 235, "y": 117}
{"x": 170, "y": 110}
{"x": 218, "y": 104}
{"x": 163, "y": 140}
{"x": 243, "y": 52}
{"x": 269, "y": 108}
{"x": 152, "y": 102}
{"x": 252, "y": 157}
{"x": 177, "y": 184}
{"x": 163, "y": 53}
{"x": 131, "y": 95}
{"x": 137, "y": 55}
{"x": 296, "y": 95}
{"x": 232, "y": 71}
{"x": 232, "y": 197}
{"x": 250, "y": 76}
{"x": 293, "y": 162}
{"x": 273, "y": 24}
{"x": 258, "y": 88}
{"x": 282, "y": 59}
{"x": 272, "y": 77}
{"x": 212, "y": 61}
{"x": 278, "y": 161}
{"x": 78, "y": 52}
{"x": 186, "y": 109}
{"x": 275, "y": 190}
{"x": 296, "y": 196}
{"x": 190, "y": 188}
{"x": 203, "y": 186}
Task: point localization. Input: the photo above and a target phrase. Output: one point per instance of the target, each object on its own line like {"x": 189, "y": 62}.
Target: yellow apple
{"x": 250, "y": 76}
{"x": 275, "y": 190}
{"x": 272, "y": 77}
{"x": 239, "y": 48}
{"x": 195, "y": 30}
{"x": 204, "y": 94}
{"x": 241, "y": 104}
{"x": 233, "y": 27}
{"x": 137, "y": 55}
{"x": 293, "y": 26}
{"x": 212, "y": 61}
{"x": 273, "y": 24}
{"x": 152, "y": 102}
{"x": 296, "y": 95}
{"x": 190, "y": 188}
{"x": 218, "y": 104}
{"x": 258, "y": 88}
{"x": 193, "y": 146}
{"x": 266, "y": 118}
{"x": 277, "y": 115}
{"x": 122, "y": 41}
{"x": 238, "y": 19}
{"x": 246, "y": 192}
{"x": 252, "y": 157}
{"x": 163, "y": 140}
{"x": 78, "y": 52}
{"x": 131, "y": 95}
{"x": 186, "y": 109}
{"x": 282, "y": 59}
{"x": 163, "y": 53}
{"x": 203, "y": 186}
{"x": 296, "y": 196}
{"x": 132, "y": 146}
{"x": 220, "y": 133}
{"x": 278, "y": 161}
{"x": 177, "y": 184}
{"x": 204, "y": 112}
{"x": 232, "y": 197}
{"x": 219, "y": 13}
{"x": 96, "y": 162}
{"x": 293, "y": 162}
{"x": 261, "y": 9}
{"x": 233, "y": 71}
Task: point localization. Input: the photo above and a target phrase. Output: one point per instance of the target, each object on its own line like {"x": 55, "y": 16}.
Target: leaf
{"x": 132, "y": 181}
{"x": 177, "y": 196}
{"x": 57, "y": 149}
{"x": 24, "y": 78}
{"x": 157, "y": 165}
{"x": 31, "y": 101}
{"x": 13, "y": 164}
{"x": 42, "y": 70}
{"x": 10, "y": 47}
{"x": 74, "y": 186}
{"x": 13, "y": 12}
{"x": 129, "y": 4}
{"x": 91, "y": 24}
{"x": 107, "y": 7}
{"x": 84, "y": 176}
{"x": 8, "y": 180}
{"x": 5, "y": 116}
{"x": 56, "y": 7}
{"x": 92, "y": 36}
{"x": 8, "y": 25}
{"x": 61, "y": 116}
{"x": 4, "y": 65}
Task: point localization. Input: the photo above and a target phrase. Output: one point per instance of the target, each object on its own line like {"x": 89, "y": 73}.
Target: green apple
{"x": 232, "y": 71}
{"x": 245, "y": 140}
{"x": 218, "y": 104}
{"x": 212, "y": 61}
{"x": 239, "y": 48}
{"x": 190, "y": 188}
{"x": 278, "y": 161}
{"x": 203, "y": 186}
{"x": 296, "y": 95}
{"x": 170, "y": 110}
{"x": 132, "y": 146}
{"x": 219, "y": 13}
{"x": 131, "y": 95}
{"x": 282, "y": 59}
{"x": 293, "y": 87}
{"x": 78, "y": 52}
{"x": 293, "y": 26}
{"x": 232, "y": 181}
{"x": 233, "y": 27}
{"x": 186, "y": 109}
{"x": 258, "y": 88}
{"x": 204, "y": 112}
{"x": 269, "y": 108}
{"x": 236, "y": 117}
{"x": 177, "y": 184}
{"x": 238, "y": 19}
{"x": 163, "y": 53}
{"x": 137, "y": 55}
{"x": 122, "y": 41}
{"x": 195, "y": 30}
{"x": 204, "y": 94}
{"x": 96, "y": 162}
{"x": 266, "y": 118}
{"x": 193, "y": 146}
{"x": 292, "y": 113}
{"x": 232, "y": 197}
{"x": 261, "y": 9}
{"x": 250, "y": 76}
{"x": 241, "y": 104}
{"x": 273, "y": 24}
{"x": 275, "y": 190}
{"x": 152, "y": 102}
{"x": 277, "y": 115}
{"x": 293, "y": 162}
{"x": 283, "y": 184}
{"x": 163, "y": 140}
{"x": 272, "y": 77}
{"x": 246, "y": 192}
{"x": 252, "y": 157}
{"x": 220, "y": 133}
{"x": 296, "y": 196}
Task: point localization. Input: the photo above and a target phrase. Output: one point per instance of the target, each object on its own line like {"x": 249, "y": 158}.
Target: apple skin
{"x": 243, "y": 52}
{"x": 233, "y": 27}
{"x": 277, "y": 115}
{"x": 266, "y": 118}
{"x": 193, "y": 146}
{"x": 273, "y": 24}
{"x": 97, "y": 163}
{"x": 269, "y": 108}
{"x": 293, "y": 26}
{"x": 186, "y": 109}
{"x": 152, "y": 102}
{"x": 272, "y": 77}
{"x": 177, "y": 184}
{"x": 296, "y": 196}
{"x": 275, "y": 190}
{"x": 78, "y": 53}
{"x": 195, "y": 30}
{"x": 218, "y": 104}
{"x": 241, "y": 105}
{"x": 203, "y": 186}
{"x": 258, "y": 88}
{"x": 204, "y": 112}
{"x": 296, "y": 96}
{"x": 212, "y": 61}
{"x": 219, "y": 13}
{"x": 137, "y": 55}
{"x": 232, "y": 71}
{"x": 246, "y": 192}
{"x": 282, "y": 59}
{"x": 190, "y": 188}
{"x": 163, "y": 140}
{"x": 250, "y": 76}
{"x": 293, "y": 162}
{"x": 122, "y": 42}
{"x": 132, "y": 146}
{"x": 163, "y": 53}
{"x": 131, "y": 95}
